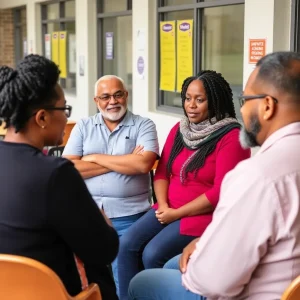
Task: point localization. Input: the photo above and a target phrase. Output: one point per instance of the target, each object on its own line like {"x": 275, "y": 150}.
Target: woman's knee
{"x": 152, "y": 256}
{"x": 173, "y": 263}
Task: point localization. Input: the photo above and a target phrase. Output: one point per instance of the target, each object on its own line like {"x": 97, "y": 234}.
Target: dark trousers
{"x": 147, "y": 244}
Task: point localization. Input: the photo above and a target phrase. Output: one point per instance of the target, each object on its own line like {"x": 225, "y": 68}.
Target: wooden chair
{"x": 293, "y": 290}
{"x": 22, "y": 278}
{"x": 56, "y": 151}
{"x": 154, "y": 200}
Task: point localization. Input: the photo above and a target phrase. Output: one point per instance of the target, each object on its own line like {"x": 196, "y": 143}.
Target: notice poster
{"x": 109, "y": 46}
{"x": 184, "y": 51}
{"x": 54, "y": 48}
{"x": 72, "y": 53}
{"x": 63, "y": 54}
{"x": 257, "y": 50}
{"x": 167, "y": 56}
{"x": 47, "y": 40}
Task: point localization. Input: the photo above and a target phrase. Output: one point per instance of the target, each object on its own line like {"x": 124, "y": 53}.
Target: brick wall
{"x": 7, "y": 53}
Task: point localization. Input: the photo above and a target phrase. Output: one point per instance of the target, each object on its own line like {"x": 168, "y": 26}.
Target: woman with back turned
{"x": 198, "y": 152}
{"x": 46, "y": 211}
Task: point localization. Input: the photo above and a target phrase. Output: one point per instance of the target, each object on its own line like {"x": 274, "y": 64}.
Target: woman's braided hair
{"x": 220, "y": 105}
{"x": 31, "y": 85}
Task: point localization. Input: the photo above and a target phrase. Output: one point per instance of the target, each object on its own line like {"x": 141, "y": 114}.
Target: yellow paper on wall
{"x": 184, "y": 51}
{"x": 63, "y": 54}
{"x": 54, "y": 48}
{"x": 167, "y": 56}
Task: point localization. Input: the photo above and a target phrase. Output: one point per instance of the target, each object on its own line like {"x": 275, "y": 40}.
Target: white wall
{"x": 270, "y": 20}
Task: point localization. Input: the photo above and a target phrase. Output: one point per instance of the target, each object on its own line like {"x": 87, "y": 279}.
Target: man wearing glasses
{"x": 114, "y": 152}
{"x": 251, "y": 249}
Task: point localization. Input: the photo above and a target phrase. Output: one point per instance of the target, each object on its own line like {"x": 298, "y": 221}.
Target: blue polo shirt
{"x": 119, "y": 195}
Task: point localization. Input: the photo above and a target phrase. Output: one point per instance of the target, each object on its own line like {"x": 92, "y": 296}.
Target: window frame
{"x": 18, "y": 28}
{"x": 101, "y": 15}
{"x": 198, "y": 7}
{"x": 62, "y": 20}
{"x": 295, "y": 26}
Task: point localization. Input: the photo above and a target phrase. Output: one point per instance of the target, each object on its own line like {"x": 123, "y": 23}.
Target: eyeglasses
{"x": 67, "y": 109}
{"x": 244, "y": 98}
{"x": 117, "y": 96}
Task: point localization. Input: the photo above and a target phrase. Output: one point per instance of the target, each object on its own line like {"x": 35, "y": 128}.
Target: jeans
{"x": 147, "y": 244}
{"x": 173, "y": 263}
{"x": 159, "y": 284}
{"x": 121, "y": 225}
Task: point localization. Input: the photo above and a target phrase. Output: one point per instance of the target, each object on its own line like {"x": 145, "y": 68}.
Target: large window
{"x": 20, "y": 33}
{"x": 59, "y": 39}
{"x": 115, "y": 41}
{"x": 217, "y": 43}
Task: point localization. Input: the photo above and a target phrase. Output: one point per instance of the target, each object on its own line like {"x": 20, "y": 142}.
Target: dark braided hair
{"x": 220, "y": 105}
{"x": 31, "y": 85}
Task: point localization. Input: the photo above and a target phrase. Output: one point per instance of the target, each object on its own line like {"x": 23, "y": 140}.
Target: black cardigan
{"x": 47, "y": 213}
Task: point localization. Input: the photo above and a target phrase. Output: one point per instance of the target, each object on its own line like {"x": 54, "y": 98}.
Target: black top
{"x": 47, "y": 213}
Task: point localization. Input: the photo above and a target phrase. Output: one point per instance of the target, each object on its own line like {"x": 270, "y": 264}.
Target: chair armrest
{"x": 92, "y": 292}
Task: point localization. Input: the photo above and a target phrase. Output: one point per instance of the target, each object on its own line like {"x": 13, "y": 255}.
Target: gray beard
{"x": 248, "y": 137}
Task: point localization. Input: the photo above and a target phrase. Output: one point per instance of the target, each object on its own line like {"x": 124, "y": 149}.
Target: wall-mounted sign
{"x": 63, "y": 54}
{"x": 167, "y": 56}
{"x": 184, "y": 51}
{"x": 47, "y": 40}
{"x": 257, "y": 49}
{"x": 109, "y": 46}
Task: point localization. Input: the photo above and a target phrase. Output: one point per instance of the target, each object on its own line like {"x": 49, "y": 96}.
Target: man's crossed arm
{"x": 138, "y": 162}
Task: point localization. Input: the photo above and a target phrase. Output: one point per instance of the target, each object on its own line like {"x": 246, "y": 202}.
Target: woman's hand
{"x": 167, "y": 215}
{"x": 185, "y": 256}
{"x": 162, "y": 207}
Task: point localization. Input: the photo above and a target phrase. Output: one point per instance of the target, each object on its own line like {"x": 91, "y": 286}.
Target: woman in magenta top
{"x": 198, "y": 152}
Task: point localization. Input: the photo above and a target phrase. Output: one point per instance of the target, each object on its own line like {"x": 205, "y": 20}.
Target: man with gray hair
{"x": 114, "y": 151}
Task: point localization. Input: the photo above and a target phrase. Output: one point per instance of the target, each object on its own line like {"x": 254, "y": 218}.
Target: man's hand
{"x": 187, "y": 252}
{"x": 168, "y": 215}
{"x": 89, "y": 158}
{"x": 139, "y": 149}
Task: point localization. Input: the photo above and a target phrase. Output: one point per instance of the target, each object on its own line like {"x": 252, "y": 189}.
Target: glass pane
{"x": 179, "y": 15}
{"x": 114, "y": 5}
{"x": 70, "y": 9}
{"x": 120, "y": 62}
{"x": 177, "y": 2}
{"x": 223, "y": 47}
{"x": 52, "y": 27}
{"x": 53, "y": 11}
{"x": 23, "y": 16}
{"x": 172, "y": 98}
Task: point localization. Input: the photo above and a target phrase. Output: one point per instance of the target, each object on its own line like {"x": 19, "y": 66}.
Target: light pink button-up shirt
{"x": 251, "y": 250}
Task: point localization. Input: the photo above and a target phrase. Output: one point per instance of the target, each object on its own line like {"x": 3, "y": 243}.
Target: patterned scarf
{"x": 194, "y": 134}
{"x": 204, "y": 137}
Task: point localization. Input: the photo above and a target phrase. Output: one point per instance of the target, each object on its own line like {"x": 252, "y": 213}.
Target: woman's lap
{"x": 165, "y": 245}
{"x": 159, "y": 284}
{"x": 149, "y": 242}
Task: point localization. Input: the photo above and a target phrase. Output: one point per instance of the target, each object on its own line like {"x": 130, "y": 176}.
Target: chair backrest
{"x": 56, "y": 151}
{"x": 22, "y": 278}
{"x": 293, "y": 290}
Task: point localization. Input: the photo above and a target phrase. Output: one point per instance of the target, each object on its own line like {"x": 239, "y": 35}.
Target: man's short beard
{"x": 114, "y": 116}
{"x": 248, "y": 138}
